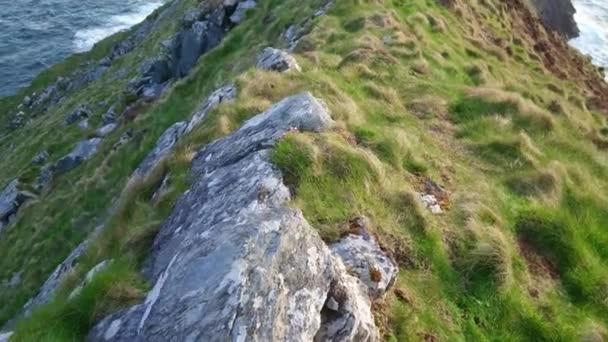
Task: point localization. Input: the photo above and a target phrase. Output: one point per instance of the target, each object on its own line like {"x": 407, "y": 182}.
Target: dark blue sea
{"x": 34, "y": 34}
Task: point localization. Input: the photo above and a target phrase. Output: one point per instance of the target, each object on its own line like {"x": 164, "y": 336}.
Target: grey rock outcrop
{"x": 84, "y": 150}
{"x": 89, "y": 277}
{"x": 17, "y": 122}
{"x": 48, "y": 289}
{"x": 11, "y": 199}
{"x": 81, "y": 112}
{"x": 163, "y": 146}
{"x": 5, "y": 337}
{"x": 109, "y": 116}
{"x": 105, "y": 130}
{"x": 558, "y": 15}
{"x": 233, "y": 262}
{"x": 362, "y": 255}
{"x": 40, "y": 158}
{"x": 224, "y": 94}
{"x": 276, "y": 60}
{"x": 171, "y": 136}
{"x": 241, "y": 9}
{"x": 44, "y": 179}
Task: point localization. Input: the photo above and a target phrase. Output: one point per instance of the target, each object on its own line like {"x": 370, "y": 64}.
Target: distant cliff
{"x": 558, "y": 15}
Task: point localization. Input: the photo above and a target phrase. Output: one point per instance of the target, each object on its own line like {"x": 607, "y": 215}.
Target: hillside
{"x": 355, "y": 170}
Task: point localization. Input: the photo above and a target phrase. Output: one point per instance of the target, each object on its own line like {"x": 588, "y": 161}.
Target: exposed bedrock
{"x": 233, "y": 262}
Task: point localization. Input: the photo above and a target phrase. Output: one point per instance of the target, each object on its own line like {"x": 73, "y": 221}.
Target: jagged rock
{"x": 18, "y": 121}
{"x": 241, "y": 9}
{"x": 162, "y": 148}
{"x": 105, "y": 61}
{"x": 27, "y": 101}
{"x": 234, "y": 262}
{"x": 15, "y": 280}
{"x": 47, "y": 291}
{"x": 190, "y": 44}
{"x": 84, "y": 150}
{"x": 299, "y": 112}
{"x": 224, "y": 94}
{"x": 153, "y": 73}
{"x": 84, "y": 124}
{"x": 105, "y": 130}
{"x": 40, "y": 158}
{"x": 162, "y": 189}
{"x": 277, "y": 60}
{"x": 89, "y": 277}
{"x": 44, "y": 179}
{"x": 363, "y": 256}
{"x": 431, "y": 203}
{"x": 109, "y": 116}
{"x": 81, "y": 112}
{"x": 124, "y": 138}
{"x": 11, "y": 199}
{"x": 558, "y": 15}
{"x": 5, "y": 337}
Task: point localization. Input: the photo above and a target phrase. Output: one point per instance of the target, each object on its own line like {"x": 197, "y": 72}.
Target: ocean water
{"x": 35, "y": 34}
{"x": 592, "y": 19}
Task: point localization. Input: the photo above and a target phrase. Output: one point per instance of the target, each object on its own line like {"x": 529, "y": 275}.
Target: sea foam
{"x": 84, "y": 39}
{"x": 592, "y": 19}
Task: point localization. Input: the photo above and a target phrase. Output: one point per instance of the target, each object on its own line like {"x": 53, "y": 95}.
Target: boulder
{"x": 81, "y": 112}
{"x": 27, "y": 101}
{"x": 40, "y": 158}
{"x": 84, "y": 124}
{"x": 241, "y": 9}
{"x": 363, "y": 256}
{"x": 190, "y": 44}
{"x": 234, "y": 262}
{"x": 224, "y": 94}
{"x": 105, "y": 130}
{"x": 109, "y": 116}
{"x": 277, "y": 60}
{"x": 17, "y": 122}
{"x": 84, "y": 150}
{"x": 11, "y": 199}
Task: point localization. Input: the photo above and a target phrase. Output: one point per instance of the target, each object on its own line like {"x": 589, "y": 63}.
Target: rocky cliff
{"x": 310, "y": 171}
{"x": 558, "y": 15}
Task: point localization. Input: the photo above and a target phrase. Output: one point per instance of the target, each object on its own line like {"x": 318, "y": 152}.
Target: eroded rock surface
{"x": 362, "y": 255}
{"x": 276, "y": 60}
{"x": 11, "y": 199}
{"x": 84, "y": 150}
{"x": 232, "y": 262}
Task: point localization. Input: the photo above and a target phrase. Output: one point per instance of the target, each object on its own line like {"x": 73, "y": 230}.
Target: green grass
{"x": 480, "y": 123}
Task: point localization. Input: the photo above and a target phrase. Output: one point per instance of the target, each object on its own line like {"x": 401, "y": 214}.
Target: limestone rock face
{"x": 277, "y": 60}
{"x": 232, "y": 262}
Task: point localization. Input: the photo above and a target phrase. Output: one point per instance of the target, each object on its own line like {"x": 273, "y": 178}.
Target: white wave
{"x": 592, "y": 19}
{"x": 85, "y": 39}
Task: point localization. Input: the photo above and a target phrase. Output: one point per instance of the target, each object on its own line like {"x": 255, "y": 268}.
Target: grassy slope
{"x": 519, "y": 253}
